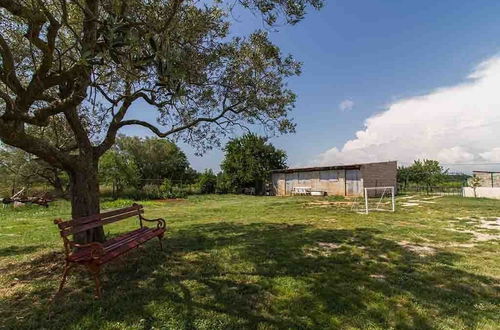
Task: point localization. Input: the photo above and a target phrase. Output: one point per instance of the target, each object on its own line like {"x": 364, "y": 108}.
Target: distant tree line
{"x": 428, "y": 173}
{"x": 151, "y": 168}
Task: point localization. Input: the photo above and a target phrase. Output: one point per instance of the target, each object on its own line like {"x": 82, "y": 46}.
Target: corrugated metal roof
{"x": 326, "y": 168}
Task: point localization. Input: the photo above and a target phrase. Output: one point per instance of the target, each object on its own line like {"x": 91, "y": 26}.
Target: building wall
{"x": 484, "y": 192}
{"x": 278, "y": 180}
{"x": 489, "y": 179}
{"x": 380, "y": 174}
{"x": 330, "y": 181}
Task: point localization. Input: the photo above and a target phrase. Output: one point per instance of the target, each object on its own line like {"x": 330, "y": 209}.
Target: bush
{"x": 166, "y": 188}
{"x": 207, "y": 182}
{"x": 224, "y": 185}
{"x": 149, "y": 191}
{"x": 171, "y": 191}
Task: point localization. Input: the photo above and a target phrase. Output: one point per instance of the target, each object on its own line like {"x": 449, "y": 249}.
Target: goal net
{"x": 379, "y": 199}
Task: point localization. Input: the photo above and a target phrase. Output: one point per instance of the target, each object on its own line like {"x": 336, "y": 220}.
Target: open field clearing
{"x": 266, "y": 263}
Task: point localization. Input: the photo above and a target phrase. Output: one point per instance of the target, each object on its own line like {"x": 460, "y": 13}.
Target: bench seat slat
{"x": 146, "y": 236}
{"x": 119, "y": 245}
{"x": 125, "y": 240}
{"x": 84, "y": 253}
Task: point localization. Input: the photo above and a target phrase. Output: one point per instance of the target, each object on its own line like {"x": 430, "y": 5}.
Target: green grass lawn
{"x": 238, "y": 262}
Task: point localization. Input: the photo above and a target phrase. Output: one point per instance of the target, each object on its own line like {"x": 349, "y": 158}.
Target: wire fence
{"x": 430, "y": 190}
{"x": 143, "y": 189}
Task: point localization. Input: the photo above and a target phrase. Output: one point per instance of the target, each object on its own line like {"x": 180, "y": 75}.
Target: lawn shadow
{"x": 11, "y": 251}
{"x": 232, "y": 275}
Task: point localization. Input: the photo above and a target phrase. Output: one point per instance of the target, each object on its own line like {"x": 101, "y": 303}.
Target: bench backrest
{"x": 79, "y": 225}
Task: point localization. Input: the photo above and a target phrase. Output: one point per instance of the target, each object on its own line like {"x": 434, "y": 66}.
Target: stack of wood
{"x": 19, "y": 199}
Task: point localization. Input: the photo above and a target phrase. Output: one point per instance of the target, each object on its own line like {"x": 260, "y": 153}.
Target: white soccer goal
{"x": 379, "y": 199}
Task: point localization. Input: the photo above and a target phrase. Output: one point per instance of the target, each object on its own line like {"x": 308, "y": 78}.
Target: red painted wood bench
{"x": 94, "y": 255}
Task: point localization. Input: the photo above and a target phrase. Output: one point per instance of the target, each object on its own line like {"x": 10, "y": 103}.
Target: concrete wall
{"x": 488, "y": 179}
{"x": 486, "y": 192}
{"x": 330, "y": 181}
{"x": 380, "y": 174}
{"x": 278, "y": 181}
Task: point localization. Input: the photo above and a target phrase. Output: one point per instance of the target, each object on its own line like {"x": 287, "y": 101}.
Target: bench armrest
{"x": 96, "y": 249}
{"x": 160, "y": 222}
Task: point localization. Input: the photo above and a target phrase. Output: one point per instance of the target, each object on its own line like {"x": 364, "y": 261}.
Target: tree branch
{"x": 17, "y": 137}
{"x": 8, "y": 70}
{"x": 17, "y": 9}
{"x": 191, "y": 124}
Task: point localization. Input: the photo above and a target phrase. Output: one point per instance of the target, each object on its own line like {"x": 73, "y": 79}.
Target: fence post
{"x": 366, "y": 201}
{"x": 393, "y": 201}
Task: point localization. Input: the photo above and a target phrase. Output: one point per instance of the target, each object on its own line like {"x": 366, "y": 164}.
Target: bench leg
{"x": 67, "y": 268}
{"x": 161, "y": 245}
{"x": 95, "y": 270}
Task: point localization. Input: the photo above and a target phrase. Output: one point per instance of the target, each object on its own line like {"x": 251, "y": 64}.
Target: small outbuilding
{"x": 342, "y": 180}
{"x": 488, "y": 178}
{"x": 489, "y": 185}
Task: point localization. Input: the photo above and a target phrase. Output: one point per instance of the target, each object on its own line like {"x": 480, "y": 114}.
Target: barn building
{"x": 343, "y": 180}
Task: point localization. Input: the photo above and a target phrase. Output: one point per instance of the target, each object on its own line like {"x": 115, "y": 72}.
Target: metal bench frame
{"x": 94, "y": 255}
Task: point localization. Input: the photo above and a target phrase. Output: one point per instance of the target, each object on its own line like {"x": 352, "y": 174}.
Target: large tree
{"x": 248, "y": 162}
{"x": 87, "y": 62}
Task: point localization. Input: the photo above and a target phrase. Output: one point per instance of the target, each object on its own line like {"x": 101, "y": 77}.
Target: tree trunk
{"x": 84, "y": 185}
{"x": 58, "y": 184}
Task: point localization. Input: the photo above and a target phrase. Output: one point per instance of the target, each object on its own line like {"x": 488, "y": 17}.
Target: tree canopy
{"x": 156, "y": 159}
{"x": 248, "y": 161}
{"x": 425, "y": 172}
{"x": 88, "y": 62}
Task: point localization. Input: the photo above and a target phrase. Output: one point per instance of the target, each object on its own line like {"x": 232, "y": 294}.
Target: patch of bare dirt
{"x": 410, "y": 204}
{"x": 432, "y": 197}
{"x": 329, "y": 246}
{"x": 421, "y": 250}
{"x": 329, "y": 203}
{"x": 481, "y": 224}
{"x": 478, "y": 236}
{"x": 323, "y": 249}
{"x": 490, "y": 223}
{"x": 407, "y": 197}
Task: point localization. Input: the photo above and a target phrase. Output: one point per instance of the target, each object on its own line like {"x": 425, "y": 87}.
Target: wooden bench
{"x": 301, "y": 190}
{"x": 94, "y": 255}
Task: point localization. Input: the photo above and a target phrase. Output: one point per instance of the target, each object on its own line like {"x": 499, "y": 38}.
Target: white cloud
{"x": 346, "y": 105}
{"x": 454, "y": 124}
{"x": 493, "y": 155}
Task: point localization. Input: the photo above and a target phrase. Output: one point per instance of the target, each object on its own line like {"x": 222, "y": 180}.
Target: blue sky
{"x": 374, "y": 56}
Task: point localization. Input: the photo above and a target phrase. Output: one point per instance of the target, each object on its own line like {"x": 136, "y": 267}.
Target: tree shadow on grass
{"x": 11, "y": 251}
{"x": 231, "y": 275}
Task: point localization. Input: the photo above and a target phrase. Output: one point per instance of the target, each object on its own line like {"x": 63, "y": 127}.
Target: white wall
{"x": 486, "y": 192}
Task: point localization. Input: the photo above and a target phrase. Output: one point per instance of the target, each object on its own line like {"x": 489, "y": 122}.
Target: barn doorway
{"x": 353, "y": 184}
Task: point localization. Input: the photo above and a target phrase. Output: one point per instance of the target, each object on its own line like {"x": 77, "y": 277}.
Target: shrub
{"x": 207, "y": 182}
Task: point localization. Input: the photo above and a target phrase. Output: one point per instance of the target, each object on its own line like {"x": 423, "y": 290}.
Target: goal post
{"x": 379, "y": 199}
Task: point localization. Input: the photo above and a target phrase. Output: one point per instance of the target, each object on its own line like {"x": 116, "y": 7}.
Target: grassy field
{"x": 241, "y": 262}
